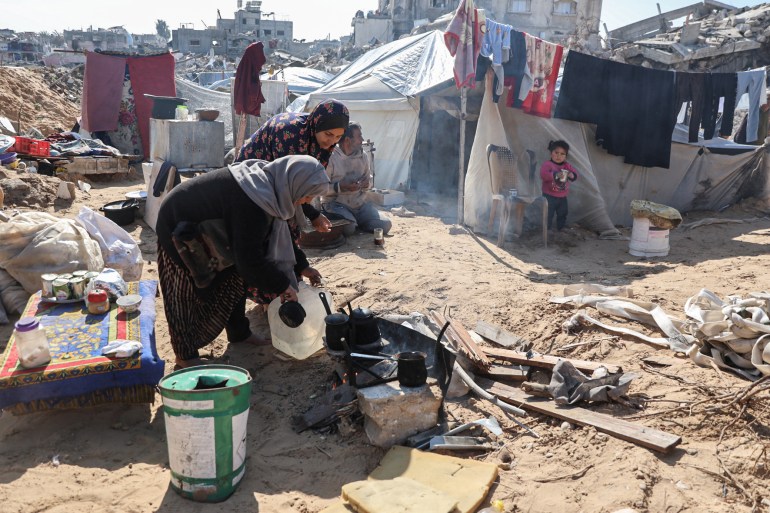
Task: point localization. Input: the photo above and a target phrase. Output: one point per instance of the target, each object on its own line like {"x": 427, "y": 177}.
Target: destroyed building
{"x": 231, "y": 36}
{"x": 554, "y": 21}
{"x": 714, "y": 36}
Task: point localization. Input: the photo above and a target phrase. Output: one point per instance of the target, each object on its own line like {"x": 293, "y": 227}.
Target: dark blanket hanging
{"x": 632, "y": 107}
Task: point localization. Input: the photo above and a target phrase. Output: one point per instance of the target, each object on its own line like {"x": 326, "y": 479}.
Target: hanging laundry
{"x": 247, "y": 88}
{"x": 517, "y": 74}
{"x": 544, "y": 61}
{"x": 631, "y": 106}
{"x": 694, "y": 88}
{"x": 496, "y": 44}
{"x": 150, "y": 75}
{"x": 102, "y": 91}
{"x": 463, "y": 39}
{"x": 723, "y": 85}
{"x": 754, "y": 83}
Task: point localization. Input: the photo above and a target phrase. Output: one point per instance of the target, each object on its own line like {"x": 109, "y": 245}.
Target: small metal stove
{"x": 395, "y": 338}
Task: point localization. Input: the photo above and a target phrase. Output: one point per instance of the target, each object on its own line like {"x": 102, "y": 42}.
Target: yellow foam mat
{"x": 466, "y": 481}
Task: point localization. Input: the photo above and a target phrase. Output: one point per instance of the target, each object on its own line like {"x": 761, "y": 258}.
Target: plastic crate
{"x": 33, "y": 147}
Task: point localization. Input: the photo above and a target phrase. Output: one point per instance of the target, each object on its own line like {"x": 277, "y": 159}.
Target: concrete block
{"x": 97, "y": 165}
{"x": 690, "y": 34}
{"x": 385, "y": 197}
{"x": 393, "y": 413}
{"x": 188, "y": 144}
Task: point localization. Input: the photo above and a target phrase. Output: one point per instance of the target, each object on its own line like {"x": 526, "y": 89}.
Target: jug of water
{"x": 307, "y": 338}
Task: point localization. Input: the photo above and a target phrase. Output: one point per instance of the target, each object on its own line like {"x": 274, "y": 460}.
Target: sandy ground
{"x": 114, "y": 458}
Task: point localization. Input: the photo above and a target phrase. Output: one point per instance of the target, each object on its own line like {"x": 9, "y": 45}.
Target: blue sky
{"x": 313, "y": 19}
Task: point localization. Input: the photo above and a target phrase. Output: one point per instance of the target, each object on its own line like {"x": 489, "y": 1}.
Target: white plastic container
{"x": 307, "y": 338}
{"x": 181, "y": 113}
{"x": 31, "y": 343}
{"x": 647, "y": 241}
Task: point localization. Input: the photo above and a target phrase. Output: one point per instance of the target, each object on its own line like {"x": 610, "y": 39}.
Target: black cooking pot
{"x": 164, "y": 107}
{"x": 363, "y": 327}
{"x": 337, "y": 327}
{"x": 412, "y": 370}
{"x": 121, "y": 212}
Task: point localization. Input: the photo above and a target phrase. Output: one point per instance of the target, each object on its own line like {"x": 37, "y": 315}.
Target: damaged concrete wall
{"x": 722, "y": 40}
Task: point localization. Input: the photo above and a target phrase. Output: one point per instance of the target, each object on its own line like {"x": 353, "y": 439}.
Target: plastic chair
{"x": 502, "y": 178}
{"x": 503, "y": 175}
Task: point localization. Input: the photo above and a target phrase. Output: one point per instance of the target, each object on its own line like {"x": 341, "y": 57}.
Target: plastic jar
{"x": 98, "y": 302}
{"x": 31, "y": 343}
{"x": 307, "y": 338}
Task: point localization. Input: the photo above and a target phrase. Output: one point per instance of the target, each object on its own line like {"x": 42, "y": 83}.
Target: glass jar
{"x": 31, "y": 343}
{"x": 98, "y": 302}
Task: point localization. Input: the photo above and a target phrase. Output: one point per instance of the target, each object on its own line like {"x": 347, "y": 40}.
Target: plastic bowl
{"x": 207, "y": 114}
{"x": 129, "y": 303}
{"x": 7, "y": 158}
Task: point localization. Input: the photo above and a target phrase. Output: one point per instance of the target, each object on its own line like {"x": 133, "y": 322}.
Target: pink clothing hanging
{"x": 543, "y": 60}
{"x": 247, "y": 89}
{"x": 150, "y": 75}
{"x": 463, "y": 39}
{"x": 102, "y": 92}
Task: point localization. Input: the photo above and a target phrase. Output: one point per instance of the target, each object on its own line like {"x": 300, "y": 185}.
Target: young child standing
{"x": 557, "y": 174}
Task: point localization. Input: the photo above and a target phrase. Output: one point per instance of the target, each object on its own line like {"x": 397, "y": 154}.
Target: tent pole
{"x": 461, "y": 169}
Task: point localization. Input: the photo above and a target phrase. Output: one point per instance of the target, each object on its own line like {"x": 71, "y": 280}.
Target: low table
{"x": 78, "y": 375}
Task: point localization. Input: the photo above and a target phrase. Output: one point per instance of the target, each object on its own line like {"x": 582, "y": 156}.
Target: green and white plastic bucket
{"x": 206, "y": 409}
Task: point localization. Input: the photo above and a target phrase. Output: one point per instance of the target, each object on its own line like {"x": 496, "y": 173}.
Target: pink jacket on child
{"x": 552, "y": 187}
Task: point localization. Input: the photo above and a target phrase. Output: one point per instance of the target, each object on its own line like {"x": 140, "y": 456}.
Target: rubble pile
{"x": 29, "y": 97}
{"x": 28, "y": 189}
{"x": 66, "y": 81}
{"x": 720, "y": 41}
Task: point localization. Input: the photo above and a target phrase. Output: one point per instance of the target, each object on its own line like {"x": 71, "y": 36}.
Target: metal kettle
{"x": 363, "y": 326}
{"x": 337, "y": 327}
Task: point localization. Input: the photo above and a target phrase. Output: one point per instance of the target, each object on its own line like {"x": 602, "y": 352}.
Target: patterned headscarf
{"x": 274, "y": 187}
{"x": 294, "y": 134}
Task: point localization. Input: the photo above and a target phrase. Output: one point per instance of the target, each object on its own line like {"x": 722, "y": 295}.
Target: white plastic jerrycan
{"x": 307, "y": 338}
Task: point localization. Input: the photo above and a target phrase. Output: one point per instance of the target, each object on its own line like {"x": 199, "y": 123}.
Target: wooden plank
{"x": 636, "y": 433}
{"x": 466, "y": 340}
{"x": 498, "y": 335}
{"x": 478, "y": 357}
{"x": 547, "y": 361}
{"x": 507, "y": 372}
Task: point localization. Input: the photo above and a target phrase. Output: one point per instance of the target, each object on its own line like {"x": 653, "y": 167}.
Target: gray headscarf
{"x": 274, "y": 187}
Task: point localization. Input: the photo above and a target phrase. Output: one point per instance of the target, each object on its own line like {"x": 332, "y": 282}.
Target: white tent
{"x": 382, "y": 89}
{"x": 300, "y": 80}
{"x": 704, "y": 176}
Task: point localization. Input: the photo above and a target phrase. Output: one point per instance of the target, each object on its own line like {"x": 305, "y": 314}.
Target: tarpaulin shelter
{"x": 300, "y": 80}
{"x": 706, "y": 175}
{"x": 382, "y": 90}
{"x": 114, "y": 101}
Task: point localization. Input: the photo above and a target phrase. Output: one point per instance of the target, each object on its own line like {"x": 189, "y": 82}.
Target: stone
{"x": 392, "y": 413}
{"x": 682, "y": 485}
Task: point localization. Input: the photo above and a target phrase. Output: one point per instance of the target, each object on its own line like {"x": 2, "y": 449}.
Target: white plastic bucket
{"x": 648, "y": 241}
